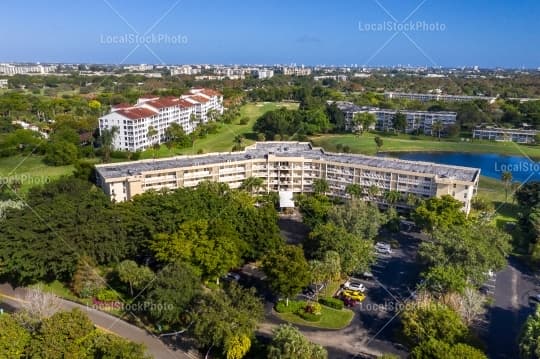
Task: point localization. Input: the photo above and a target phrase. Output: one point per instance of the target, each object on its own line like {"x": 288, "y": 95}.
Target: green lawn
{"x": 403, "y": 143}
{"x": 223, "y": 139}
{"x": 30, "y": 170}
{"x": 330, "y": 318}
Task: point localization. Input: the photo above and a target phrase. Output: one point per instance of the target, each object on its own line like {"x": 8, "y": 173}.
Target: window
{"x": 454, "y": 185}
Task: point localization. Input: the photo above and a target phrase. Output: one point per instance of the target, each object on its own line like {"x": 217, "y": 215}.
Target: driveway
{"x": 11, "y": 299}
{"x": 514, "y": 285}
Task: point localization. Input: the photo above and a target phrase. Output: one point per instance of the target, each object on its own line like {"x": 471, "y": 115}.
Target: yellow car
{"x": 351, "y": 294}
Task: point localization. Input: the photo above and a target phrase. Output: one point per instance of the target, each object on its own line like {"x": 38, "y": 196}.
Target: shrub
{"x": 293, "y": 307}
{"x": 244, "y": 120}
{"x": 332, "y": 302}
{"x": 107, "y": 295}
{"x": 310, "y": 317}
{"x": 313, "y": 308}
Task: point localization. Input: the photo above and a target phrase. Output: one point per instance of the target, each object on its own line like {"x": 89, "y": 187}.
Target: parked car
{"x": 351, "y": 294}
{"x": 535, "y": 298}
{"x": 355, "y": 285}
{"x": 383, "y": 250}
{"x": 312, "y": 289}
{"x": 349, "y": 302}
{"x": 367, "y": 276}
{"x": 231, "y": 276}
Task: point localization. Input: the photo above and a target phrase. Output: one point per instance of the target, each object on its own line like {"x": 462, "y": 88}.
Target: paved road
{"x": 514, "y": 285}
{"x": 12, "y": 298}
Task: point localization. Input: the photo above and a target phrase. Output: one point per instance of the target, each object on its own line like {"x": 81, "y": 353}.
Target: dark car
{"x": 310, "y": 290}
{"x": 349, "y": 302}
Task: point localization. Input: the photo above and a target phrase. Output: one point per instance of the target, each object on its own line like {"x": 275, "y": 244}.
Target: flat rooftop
{"x": 261, "y": 150}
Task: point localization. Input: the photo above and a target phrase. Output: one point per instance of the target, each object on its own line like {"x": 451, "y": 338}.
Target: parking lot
{"x": 395, "y": 278}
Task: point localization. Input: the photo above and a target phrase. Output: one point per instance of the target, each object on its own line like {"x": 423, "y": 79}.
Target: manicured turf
{"x": 223, "y": 139}
{"x": 330, "y": 318}
{"x": 405, "y": 143}
{"x": 30, "y": 170}
{"x": 493, "y": 190}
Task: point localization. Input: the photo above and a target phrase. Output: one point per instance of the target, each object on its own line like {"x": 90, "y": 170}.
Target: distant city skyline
{"x": 371, "y": 33}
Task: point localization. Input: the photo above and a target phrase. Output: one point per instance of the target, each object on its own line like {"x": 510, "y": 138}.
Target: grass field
{"x": 223, "y": 139}
{"x": 405, "y": 143}
{"x": 330, "y": 318}
{"x": 30, "y": 170}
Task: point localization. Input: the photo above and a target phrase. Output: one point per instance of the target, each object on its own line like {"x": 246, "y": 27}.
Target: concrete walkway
{"x": 155, "y": 347}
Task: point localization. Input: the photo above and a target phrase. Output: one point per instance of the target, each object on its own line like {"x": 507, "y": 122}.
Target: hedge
{"x": 332, "y": 302}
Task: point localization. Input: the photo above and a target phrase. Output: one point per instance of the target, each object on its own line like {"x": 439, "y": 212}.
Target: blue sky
{"x": 488, "y": 33}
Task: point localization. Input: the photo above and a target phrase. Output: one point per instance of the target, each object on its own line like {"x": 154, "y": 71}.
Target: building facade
{"x": 425, "y": 97}
{"x": 134, "y": 122}
{"x": 3, "y": 83}
{"x": 290, "y": 167}
{"x": 493, "y": 133}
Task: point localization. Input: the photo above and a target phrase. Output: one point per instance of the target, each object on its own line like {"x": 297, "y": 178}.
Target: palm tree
{"x": 151, "y": 134}
{"x": 411, "y": 200}
{"x": 107, "y": 140}
{"x": 238, "y": 142}
{"x": 437, "y": 127}
{"x": 392, "y": 197}
{"x": 373, "y": 191}
{"x": 252, "y": 184}
{"x": 320, "y": 186}
{"x": 354, "y": 190}
{"x": 506, "y": 177}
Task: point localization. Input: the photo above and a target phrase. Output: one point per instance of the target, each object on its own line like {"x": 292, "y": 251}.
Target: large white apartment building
{"x": 10, "y": 70}
{"x": 494, "y": 133}
{"x": 425, "y": 97}
{"x": 417, "y": 121}
{"x": 289, "y": 167}
{"x": 296, "y": 71}
{"x": 133, "y": 122}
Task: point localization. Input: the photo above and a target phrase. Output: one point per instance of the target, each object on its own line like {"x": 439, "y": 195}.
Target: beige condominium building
{"x": 291, "y": 167}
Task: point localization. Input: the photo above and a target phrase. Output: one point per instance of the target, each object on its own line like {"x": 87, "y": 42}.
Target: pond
{"x": 491, "y": 165}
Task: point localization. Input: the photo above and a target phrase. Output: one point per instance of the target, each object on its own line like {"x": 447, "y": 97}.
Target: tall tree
{"x": 506, "y": 178}
{"x": 286, "y": 270}
{"x": 399, "y": 122}
{"x": 107, "y": 140}
{"x": 356, "y": 253}
{"x": 252, "y": 184}
{"x": 172, "y": 293}
{"x": 289, "y": 343}
{"x": 320, "y": 186}
{"x": 136, "y": 276}
{"x": 378, "y": 142}
{"x": 437, "y": 128}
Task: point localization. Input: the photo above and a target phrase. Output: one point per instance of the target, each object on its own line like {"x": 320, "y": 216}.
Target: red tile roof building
{"x": 135, "y": 121}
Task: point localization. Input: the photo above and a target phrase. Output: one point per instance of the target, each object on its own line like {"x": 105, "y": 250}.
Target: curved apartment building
{"x": 289, "y": 166}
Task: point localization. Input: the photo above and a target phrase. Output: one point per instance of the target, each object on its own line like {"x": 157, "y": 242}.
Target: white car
{"x": 355, "y": 286}
{"x": 382, "y": 245}
{"x": 383, "y": 250}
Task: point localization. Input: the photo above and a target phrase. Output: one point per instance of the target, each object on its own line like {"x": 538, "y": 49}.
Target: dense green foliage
{"x": 63, "y": 335}
{"x": 289, "y": 343}
{"x": 529, "y": 341}
{"x": 286, "y": 270}
{"x": 473, "y": 248}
